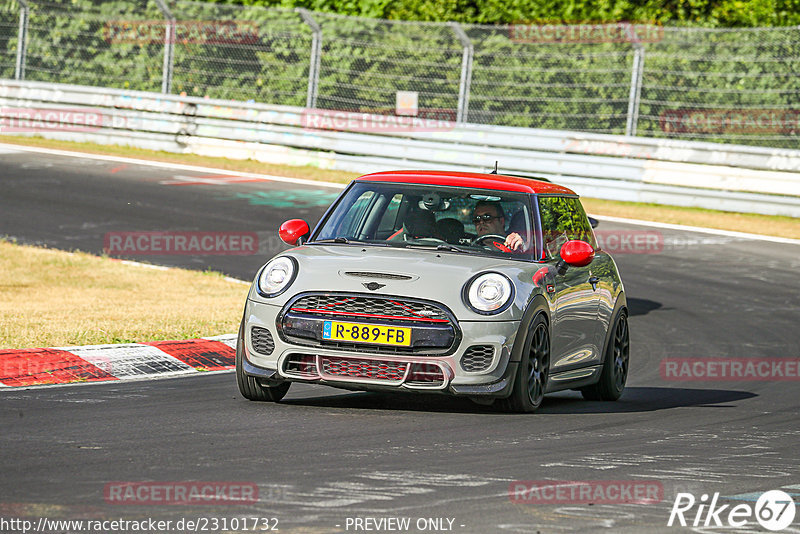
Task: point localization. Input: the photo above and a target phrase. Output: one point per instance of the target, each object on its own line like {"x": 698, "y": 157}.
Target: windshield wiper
{"x": 345, "y": 241}
{"x": 334, "y": 240}
{"x": 451, "y": 248}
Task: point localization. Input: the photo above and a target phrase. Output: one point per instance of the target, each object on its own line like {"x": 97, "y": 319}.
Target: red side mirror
{"x": 293, "y": 231}
{"x": 577, "y": 253}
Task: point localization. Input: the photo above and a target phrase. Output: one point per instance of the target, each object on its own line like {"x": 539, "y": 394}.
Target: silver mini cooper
{"x": 482, "y": 285}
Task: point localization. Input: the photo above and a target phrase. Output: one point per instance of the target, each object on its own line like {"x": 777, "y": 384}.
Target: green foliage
{"x": 708, "y": 13}
{"x": 365, "y": 62}
{"x": 8, "y": 39}
{"x": 563, "y": 219}
{"x": 265, "y": 60}
{"x": 749, "y": 73}
{"x": 518, "y": 78}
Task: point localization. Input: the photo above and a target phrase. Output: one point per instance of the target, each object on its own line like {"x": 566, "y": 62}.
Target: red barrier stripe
{"x": 199, "y": 353}
{"x": 30, "y": 367}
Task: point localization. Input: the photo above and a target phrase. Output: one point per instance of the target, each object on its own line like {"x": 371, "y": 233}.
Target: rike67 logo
{"x": 774, "y": 510}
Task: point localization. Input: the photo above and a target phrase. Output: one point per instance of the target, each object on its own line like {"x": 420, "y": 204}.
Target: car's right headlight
{"x": 489, "y": 293}
{"x": 277, "y": 276}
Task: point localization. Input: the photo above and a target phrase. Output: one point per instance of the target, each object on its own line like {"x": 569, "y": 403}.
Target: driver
{"x": 490, "y": 219}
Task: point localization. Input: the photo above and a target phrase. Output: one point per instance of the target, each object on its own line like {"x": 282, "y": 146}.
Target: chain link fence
{"x": 720, "y": 85}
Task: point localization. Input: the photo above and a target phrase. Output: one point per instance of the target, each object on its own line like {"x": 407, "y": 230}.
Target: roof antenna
{"x": 495, "y": 168}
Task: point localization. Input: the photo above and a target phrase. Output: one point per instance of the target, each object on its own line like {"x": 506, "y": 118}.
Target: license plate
{"x": 366, "y": 333}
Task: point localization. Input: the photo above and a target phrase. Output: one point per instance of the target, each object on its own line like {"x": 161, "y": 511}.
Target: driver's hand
{"x": 514, "y": 242}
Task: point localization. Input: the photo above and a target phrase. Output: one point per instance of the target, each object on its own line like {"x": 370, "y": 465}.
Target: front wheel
{"x": 249, "y": 386}
{"x": 533, "y": 372}
{"x": 615, "y": 366}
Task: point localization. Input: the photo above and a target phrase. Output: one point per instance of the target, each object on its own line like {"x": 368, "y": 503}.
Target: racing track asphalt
{"x": 323, "y": 456}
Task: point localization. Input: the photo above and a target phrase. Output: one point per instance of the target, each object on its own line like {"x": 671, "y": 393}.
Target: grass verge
{"x": 53, "y": 298}
{"x": 739, "y": 222}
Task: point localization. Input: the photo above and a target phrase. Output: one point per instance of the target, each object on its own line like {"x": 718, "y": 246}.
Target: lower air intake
{"x": 302, "y": 365}
{"x": 425, "y": 374}
{"x": 477, "y": 358}
{"x": 364, "y": 369}
{"x": 262, "y": 340}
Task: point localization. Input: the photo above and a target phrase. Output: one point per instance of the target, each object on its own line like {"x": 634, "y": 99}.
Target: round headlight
{"x": 276, "y": 276}
{"x": 489, "y": 293}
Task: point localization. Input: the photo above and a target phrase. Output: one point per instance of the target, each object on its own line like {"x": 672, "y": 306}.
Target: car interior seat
{"x": 418, "y": 224}
{"x": 451, "y": 230}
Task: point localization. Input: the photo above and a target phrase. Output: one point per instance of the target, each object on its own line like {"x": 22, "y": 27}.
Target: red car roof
{"x": 475, "y": 180}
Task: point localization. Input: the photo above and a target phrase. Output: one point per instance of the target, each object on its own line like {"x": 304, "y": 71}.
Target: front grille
{"x": 262, "y": 341}
{"x": 370, "y": 369}
{"x": 433, "y": 331}
{"x": 477, "y": 358}
{"x": 374, "y": 307}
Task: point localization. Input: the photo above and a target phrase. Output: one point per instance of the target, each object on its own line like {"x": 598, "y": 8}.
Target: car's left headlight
{"x": 489, "y": 293}
{"x": 276, "y": 276}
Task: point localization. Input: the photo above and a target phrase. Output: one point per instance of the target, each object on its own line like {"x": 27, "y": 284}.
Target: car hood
{"x": 427, "y": 274}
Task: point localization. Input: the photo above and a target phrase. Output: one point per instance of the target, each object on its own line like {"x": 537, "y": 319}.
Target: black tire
{"x": 530, "y": 382}
{"x": 615, "y": 364}
{"x": 249, "y": 386}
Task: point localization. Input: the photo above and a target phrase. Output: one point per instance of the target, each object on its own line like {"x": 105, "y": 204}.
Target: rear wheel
{"x": 615, "y": 366}
{"x": 530, "y": 382}
{"x": 249, "y": 386}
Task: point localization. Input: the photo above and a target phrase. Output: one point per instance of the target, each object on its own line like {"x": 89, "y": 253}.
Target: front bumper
{"x": 452, "y": 373}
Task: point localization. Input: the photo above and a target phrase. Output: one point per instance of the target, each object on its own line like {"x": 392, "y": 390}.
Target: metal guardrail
{"x": 728, "y": 177}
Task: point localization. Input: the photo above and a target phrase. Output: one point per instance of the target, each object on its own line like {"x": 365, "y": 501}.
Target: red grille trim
{"x": 374, "y": 315}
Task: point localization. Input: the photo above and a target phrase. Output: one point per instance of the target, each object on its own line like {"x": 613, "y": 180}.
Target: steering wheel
{"x": 500, "y": 245}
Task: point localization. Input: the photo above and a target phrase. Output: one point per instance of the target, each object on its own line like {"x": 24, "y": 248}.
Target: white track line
{"x": 167, "y": 268}
{"x": 269, "y": 177}
{"x": 728, "y": 233}
{"x": 172, "y": 166}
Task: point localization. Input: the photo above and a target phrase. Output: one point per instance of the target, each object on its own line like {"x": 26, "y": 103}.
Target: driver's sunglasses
{"x": 485, "y": 217}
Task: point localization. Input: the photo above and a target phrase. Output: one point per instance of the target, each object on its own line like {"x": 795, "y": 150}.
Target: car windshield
{"x": 455, "y": 219}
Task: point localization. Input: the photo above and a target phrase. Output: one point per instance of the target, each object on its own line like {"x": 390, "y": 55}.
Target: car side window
{"x": 563, "y": 219}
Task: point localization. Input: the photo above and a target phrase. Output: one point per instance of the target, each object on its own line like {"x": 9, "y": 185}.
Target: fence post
{"x": 315, "y": 59}
{"x": 636, "y": 89}
{"x": 466, "y": 73}
{"x": 22, "y": 40}
{"x": 169, "y": 44}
